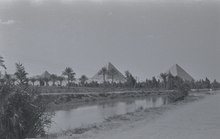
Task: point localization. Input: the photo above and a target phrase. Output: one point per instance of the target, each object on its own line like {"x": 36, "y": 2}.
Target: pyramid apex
{"x": 175, "y": 65}
{"x": 109, "y": 63}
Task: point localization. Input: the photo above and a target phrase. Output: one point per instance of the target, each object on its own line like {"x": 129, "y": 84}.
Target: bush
{"x": 184, "y": 89}
{"x": 22, "y": 114}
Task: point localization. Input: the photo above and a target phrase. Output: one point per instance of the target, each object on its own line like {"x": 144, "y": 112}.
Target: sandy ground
{"x": 198, "y": 119}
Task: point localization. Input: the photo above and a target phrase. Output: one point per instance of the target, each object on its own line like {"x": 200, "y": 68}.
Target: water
{"x": 96, "y": 113}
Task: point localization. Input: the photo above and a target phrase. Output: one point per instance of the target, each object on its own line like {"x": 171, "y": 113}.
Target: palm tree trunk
{"x": 165, "y": 84}
{"x": 112, "y": 79}
{"x": 68, "y": 82}
{"x": 104, "y": 78}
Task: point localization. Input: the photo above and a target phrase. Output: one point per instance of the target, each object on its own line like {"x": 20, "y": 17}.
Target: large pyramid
{"x": 118, "y": 77}
{"x": 176, "y": 70}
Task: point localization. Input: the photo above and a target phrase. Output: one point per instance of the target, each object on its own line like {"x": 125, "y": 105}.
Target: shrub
{"x": 184, "y": 89}
{"x": 22, "y": 114}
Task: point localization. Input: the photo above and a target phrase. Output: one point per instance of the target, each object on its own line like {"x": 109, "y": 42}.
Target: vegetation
{"x": 60, "y": 79}
{"x": 112, "y": 73}
{"x": 45, "y": 78}
{"x": 70, "y": 75}
{"x": 215, "y": 84}
{"x": 165, "y": 81}
{"x": 130, "y": 80}
{"x": 103, "y": 72}
{"x": 2, "y": 62}
{"x": 83, "y": 80}
{"x": 22, "y": 110}
{"x": 23, "y": 114}
{"x": 33, "y": 80}
{"x": 21, "y": 74}
{"x": 53, "y": 78}
{"x": 164, "y": 78}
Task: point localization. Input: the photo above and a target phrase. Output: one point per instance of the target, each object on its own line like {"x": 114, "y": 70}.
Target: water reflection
{"x": 85, "y": 115}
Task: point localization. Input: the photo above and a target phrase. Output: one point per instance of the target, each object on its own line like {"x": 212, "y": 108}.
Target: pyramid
{"x": 45, "y": 74}
{"x": 118, "y": 77}
{"x": 176, "y": 70}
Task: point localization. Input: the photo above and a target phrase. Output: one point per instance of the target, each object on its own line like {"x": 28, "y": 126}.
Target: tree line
{"x": 165, "y": 80}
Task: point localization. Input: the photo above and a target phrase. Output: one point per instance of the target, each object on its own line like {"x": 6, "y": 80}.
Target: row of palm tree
{"x": 167, "y": 80}
{"x": 68, "y": 74}
{"x": 104, "y": 72}
{"x": 20, "y": 76}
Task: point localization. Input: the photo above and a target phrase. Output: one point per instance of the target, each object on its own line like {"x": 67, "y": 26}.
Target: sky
{"x": 145, "y": 37}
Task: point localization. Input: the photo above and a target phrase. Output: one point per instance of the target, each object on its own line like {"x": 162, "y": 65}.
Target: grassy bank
{"x": 61, "y": 100}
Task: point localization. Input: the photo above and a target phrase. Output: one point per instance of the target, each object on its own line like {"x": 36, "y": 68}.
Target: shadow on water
{"x": 96, "y": 113}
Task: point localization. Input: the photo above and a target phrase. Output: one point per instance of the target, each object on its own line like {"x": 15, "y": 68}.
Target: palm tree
{"x": 2, "y": 62}
{"x": 46, "y": 80}
{"x": 33, "y": 80}
{"x": 46, "y": 77}
{"x": 60, "y": 79}
{"x": 21, "y": 74}
{"x": 53, "y": 78}
{"x": 2, "y": 80}
{"x": 83, "y": 79}
{"x": 112, "y": 73}
{"x": 70, "y": 74}
{"x": 2, "y": 65}
{"x": 13, "y": 79}
{"x": 8, "y": 78}
{"x": 155, "y": 82}
{"x": 170, "y": 81}
{"x": 103, "y": 72}
{"x": 130, "y": 80}
{"x": 40, "y": 80}
{"x": 164, "y": 78}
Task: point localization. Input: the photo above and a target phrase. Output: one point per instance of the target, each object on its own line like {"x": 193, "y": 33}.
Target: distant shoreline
{"x": 60, "y": 100}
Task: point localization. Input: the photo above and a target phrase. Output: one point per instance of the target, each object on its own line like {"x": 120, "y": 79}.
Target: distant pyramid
{"x": 45, "y": 74}
{"x": 118, "y": 76}
{"x": 176, "y": 70}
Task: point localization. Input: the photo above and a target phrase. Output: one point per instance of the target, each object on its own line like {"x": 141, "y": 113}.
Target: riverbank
{"x": 78, "y": 89}
{"x": 67, "y": 97}
{"x": 69, "y": 100}
{"x": 197, "y": 120}
{"x": 127, "y": 122}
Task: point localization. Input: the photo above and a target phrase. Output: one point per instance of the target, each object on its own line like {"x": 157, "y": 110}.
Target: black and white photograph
{"x": 109, "y": 69}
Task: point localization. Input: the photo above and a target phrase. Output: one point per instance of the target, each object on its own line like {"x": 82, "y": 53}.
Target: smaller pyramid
{"x": 118, "y": 77}
{"x": 45, "y": 74}
{"x": 176, "y": 70}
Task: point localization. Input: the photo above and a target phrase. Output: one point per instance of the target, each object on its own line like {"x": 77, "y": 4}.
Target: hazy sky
{"x": 145, "y": 37}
